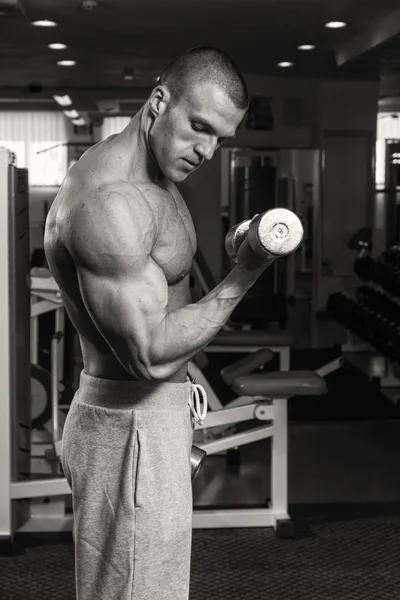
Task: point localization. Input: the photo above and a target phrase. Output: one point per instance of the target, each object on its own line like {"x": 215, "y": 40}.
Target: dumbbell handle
{"x": 235, "y": 237}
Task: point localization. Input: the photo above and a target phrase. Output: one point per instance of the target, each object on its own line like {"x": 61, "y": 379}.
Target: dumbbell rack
{"x": 372, "y": 321}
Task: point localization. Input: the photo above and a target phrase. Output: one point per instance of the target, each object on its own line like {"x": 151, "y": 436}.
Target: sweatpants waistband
{"x": 140, "y": 395}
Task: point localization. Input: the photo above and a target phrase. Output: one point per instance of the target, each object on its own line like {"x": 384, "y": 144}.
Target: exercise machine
{"x": 262, "y": 397}
{"x": 25, "y": 490}
{"x": 15, "y": 414}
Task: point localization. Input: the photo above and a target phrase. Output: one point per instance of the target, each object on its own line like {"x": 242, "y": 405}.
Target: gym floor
{"x": 344, "y": 493}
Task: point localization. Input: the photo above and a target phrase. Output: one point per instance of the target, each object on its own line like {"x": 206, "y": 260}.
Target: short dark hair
{"x": 203, "y": 64}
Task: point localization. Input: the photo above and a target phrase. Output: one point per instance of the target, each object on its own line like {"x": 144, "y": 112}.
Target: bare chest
{"x": 176, "y": 241}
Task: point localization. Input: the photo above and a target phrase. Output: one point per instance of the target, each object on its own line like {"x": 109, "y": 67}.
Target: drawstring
{"x": 198, "y": 393}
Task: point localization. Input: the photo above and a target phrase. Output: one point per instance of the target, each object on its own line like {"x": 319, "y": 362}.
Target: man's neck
{"x": 139, "y": 158}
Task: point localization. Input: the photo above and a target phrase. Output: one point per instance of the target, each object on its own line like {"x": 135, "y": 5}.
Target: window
{"x": 388, "y": 127}
{"x": 112, "y": 125}
{"x": 39, "y": 141}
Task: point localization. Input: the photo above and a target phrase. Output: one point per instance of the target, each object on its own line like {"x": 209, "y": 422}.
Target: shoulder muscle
{"x": 113, "y": 230}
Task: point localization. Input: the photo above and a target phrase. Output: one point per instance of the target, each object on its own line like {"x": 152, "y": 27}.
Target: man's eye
{"x": 197, "y": 127}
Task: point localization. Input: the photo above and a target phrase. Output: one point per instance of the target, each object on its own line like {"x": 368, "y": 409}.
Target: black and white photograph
{"x": 200, "y": 315}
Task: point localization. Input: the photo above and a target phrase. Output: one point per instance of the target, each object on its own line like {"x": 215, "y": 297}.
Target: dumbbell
{"x": 364, "y": 268}
{"x": 379, "y": 303}
{"x": 392, "y": 255}
{"x": 274, "y": 233}
{"x": 197, "y": 457}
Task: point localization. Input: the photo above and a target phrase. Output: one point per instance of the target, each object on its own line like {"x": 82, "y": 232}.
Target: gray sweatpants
{"x": 126, "y": 455}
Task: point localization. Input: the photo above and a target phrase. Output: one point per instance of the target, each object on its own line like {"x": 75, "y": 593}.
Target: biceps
{"x": 127, "y": 312}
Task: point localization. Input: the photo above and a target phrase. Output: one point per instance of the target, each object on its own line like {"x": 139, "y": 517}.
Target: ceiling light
{"x": 128, "y": 73}
{"x": 306, "y": 47}
{"x": 66, "y": 63}
{"x": 57, "y": 46}
{"x": 63, "y": 100}
{"x": 335, "y": 24}
{"x": 285, "y": 64}
{"x": 79, "y": 122}
{"x": 44, "y": 23}
{"x": 71, "y": 114}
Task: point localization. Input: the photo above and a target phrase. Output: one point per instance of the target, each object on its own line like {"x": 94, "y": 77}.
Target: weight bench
{"x": 262, "y": 396}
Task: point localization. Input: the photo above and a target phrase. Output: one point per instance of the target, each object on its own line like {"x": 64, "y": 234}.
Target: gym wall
{"x": 348, "y": 119}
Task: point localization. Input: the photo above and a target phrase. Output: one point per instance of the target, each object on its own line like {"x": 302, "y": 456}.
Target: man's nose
{"x": 206, "y": 150}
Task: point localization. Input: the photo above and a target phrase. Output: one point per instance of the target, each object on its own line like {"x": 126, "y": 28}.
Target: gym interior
{"x": 299, "y": 495}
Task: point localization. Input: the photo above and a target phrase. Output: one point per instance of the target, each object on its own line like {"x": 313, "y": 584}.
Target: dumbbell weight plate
{"x": 276, "y": 232}
{"x": 197, "y": 457}
{"x": 235, "y": 237}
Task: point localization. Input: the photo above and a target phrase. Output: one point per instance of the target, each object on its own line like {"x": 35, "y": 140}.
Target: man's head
{"x": 199, "y": 103}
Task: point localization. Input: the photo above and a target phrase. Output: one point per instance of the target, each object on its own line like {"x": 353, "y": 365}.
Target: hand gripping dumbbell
{"x": 197, "y": 457}
{"x": 274, "y": 233}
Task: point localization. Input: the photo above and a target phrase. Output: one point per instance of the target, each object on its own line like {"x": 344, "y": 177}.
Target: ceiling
{"x": 145, "y": 34}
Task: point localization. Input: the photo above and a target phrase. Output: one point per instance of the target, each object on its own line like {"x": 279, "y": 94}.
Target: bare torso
{"x": 173, "y": 251}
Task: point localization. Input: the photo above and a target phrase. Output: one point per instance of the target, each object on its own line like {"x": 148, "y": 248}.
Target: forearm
{"x": 186, "y": 331}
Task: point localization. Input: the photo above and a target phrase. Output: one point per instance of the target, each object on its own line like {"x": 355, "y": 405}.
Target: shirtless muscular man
{"x": 119, "y": 242}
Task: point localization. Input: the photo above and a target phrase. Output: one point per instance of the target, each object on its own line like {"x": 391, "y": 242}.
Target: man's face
{"x": 190, "y": 132}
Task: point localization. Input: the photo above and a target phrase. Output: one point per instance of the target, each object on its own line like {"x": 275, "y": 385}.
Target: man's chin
{"x": 177, "y": 176}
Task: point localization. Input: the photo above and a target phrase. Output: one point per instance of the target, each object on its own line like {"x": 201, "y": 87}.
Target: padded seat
{"x": 282, "y": 384}
{"x": 260, "y": 337}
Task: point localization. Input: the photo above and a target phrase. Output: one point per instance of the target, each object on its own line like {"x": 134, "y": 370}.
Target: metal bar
{"x": 330, "y": 367}
{"x": 34, "y": 339}
{"x": 279, "y": 464}
{"x": 238, "y": 439}
{"x": 48, "y": 524}
{"x": 39, "y": 488}
{"x": 237, "y": 349}
{"x": 231, "y": 416}
{"x": 60, "y": 328}
{"x": 284, "y": 358}
{"x": 54, "y": 387}
{"x": 231, "y": 518}
{"x": 44, "y": 306}
{"x": 6, "y": 526}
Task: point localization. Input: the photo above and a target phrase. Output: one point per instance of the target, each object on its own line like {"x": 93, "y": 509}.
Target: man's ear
{"x": 159, "y": 100}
